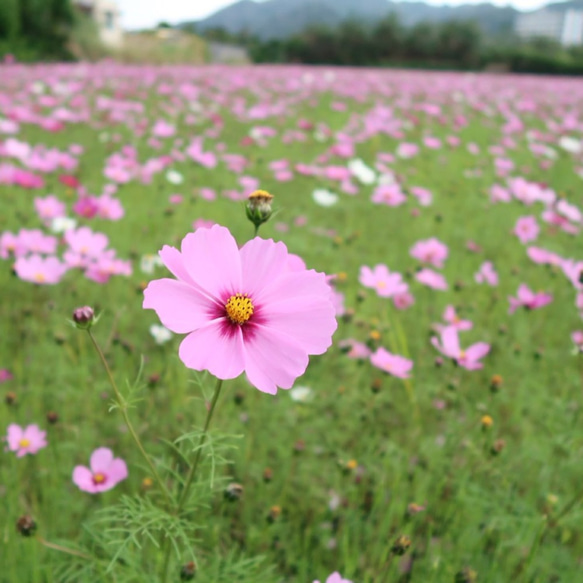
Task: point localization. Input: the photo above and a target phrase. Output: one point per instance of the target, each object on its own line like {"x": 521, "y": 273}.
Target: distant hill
{"x": 282, "y": 18}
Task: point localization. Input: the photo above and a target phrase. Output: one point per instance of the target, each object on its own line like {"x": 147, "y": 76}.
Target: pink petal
{"x": 262, "y": 262}
{"x": 83, "y": 479}
{"x": 451, "y": 342}
{"x": 215, "y": 347}
{"x": 118, "y": 471}
{"x": 14, "y": 436}
{"x": 173, "y": 260}
{"x": 273, "y": 360}
{"x": 212, "y": 260}
{"x": 477, "y": 351}
{"x": 100, "y": 460}
{"x": 180, "y": 307}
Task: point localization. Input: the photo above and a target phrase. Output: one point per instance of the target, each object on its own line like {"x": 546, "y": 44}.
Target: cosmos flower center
{"x": 239, "y": 308}
{"x": 462, "y": 354}
{"x": 381, "y": 284}
{"x": 39, "y": 277}
{"x": 24, "y": 442}
{"x": 98, "y": 478}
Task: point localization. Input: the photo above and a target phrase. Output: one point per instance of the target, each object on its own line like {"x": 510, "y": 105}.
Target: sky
{"x": 147, "y": 13}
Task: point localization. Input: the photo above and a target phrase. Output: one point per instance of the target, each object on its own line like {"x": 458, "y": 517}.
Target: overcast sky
{"x": 147, "y": 13}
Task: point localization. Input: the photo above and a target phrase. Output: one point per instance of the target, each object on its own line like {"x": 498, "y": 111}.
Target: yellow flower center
{"x": 98, "y": 478}
{"x": 381, "y": 284}
{"x": 456, "y": 320}
{"x": 39, "y": 277}
{"x": 462, "y": 353}
{"x": 239, "y": 308}
{"x": 24, "y": 442}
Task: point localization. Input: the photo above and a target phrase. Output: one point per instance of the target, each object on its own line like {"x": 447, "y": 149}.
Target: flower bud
{"x": 487, "y": 422}
{"x": 258, "y": 207}
{"x": 52, "y": 417}
{"x": 267, "y": 475}
{"x": 84, "y": 317}
{"x": 26, "y": 526}
{"x": 233, "y": 492}
{"x": 188, "y": 571}
{"x": 466, "y": 575}
{"x": 274, "y": 514}
{"x": 401, "y": 545}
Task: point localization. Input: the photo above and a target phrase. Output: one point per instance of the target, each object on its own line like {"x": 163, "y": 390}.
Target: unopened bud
{"x": 274, "y": 514}
{"x": 258, "y": 207}
{"x": 26, "y": 526}
{"x": 52, "y": 417}
{"x": 10, "y": 398}
{"x": 267, "y": 475}
{"x": 84, "y": 317}
{"x": 188, "y": 571}
{"x": 401, "y": 545}
{"x": 466, "y": 575}
{"x": 233, "y": 492}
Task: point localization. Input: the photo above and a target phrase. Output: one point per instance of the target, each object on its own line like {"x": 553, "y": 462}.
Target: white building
{"x": 107, "y": 16}
{"x": 564, "y": 25}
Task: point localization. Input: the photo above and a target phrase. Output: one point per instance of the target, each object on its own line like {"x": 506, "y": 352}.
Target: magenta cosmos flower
{"x": 393, "y": 364}
{"x": 335, "y": 578}
{"x": 526, "y": 229}
{"x": 450, "y": 347}
{"x": 27, "y": 440}
{"x": 526, "y": 298}
{"x": 103, "y": 474}
{"x": 244, "y": 310}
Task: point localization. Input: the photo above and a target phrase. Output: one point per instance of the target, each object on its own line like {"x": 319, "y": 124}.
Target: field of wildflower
{"x": 290, "y": 324}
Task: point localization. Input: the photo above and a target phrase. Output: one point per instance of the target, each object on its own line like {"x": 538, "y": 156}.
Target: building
{"x": 107, "y": 17}
{"x": 556, "y": 22}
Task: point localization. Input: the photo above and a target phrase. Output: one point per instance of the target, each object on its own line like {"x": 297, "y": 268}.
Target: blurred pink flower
{"x": 450, "y": 316}
{"x": 431, "y": 251}
{"x": 27, "y": 440}
{"x": 487, "y": 274}
{"x": 431, "y": 279}
{"x": 403, "y": 300}
{"x": 103, "y": 474}
{"x": 5, "y": 375}
{"x": 243, "y": 309}
{"x": 526, "y": 229}
{"x": 577, "y": 338}
{"x": 528, "y": 299}
{"x": 355, "y": 349}
{"x": 449, "y": 345}
{"x": 393, "y": 364}
{"x": 385, "y": 283}
{"x": 335, "y": 578}
{"x": 49, "y": 208}
{"x": 40, "y": 270}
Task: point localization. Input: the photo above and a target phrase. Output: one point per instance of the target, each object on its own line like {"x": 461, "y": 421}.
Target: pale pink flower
{"x": 577, "y": 338}
{"x": 389, "y": 194}
{"x": 104, "y": 472}
{"x": 543, "y": 256}
{"x": 35, "y": 241}
{"x": 431, "y": 279}
{"x": 83, "y": 241}
{"x": 393, "y": 364}
{"x": 25, "y": 441}
{"x": 499, "y": 194}
{"x": 207, "y": 194}
{"x": 526, "y": 229}
{"x": 49, "y": 208}
{"x": 449, "y": 345}
{"x": 385, "y": 283}
{"x": 109, "y": 208}
{"x": 40, "y": 270}
{"x": 355, "y": 349}
{"x": 450, "y": 316}
{"x": 407, "y": 150}
{"x": 528, "y": 299}
{"x": 423, "y": 196}
{"x": 335, "y": 578}
{"x": 487, "y": 274}
{"x": 431, "y": 251}
{"x": 243, "y": 309}
{"x": 403, "y": 300}
{"x": 202, "y": 224}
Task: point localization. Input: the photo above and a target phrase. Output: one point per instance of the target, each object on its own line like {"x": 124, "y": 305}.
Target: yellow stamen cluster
{"x": 98, "y": 478}
{"x": 24, "y": 442}
{"x": 39, "y": 277}
{"x": 239, "y": 308}
{"x": 260, "y": 197}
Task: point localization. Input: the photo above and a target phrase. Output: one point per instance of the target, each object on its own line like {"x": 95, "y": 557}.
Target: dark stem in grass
{"x": 192, "y": 471}
{"x": 123, "y": 408}
{"x": 61, "y": 549}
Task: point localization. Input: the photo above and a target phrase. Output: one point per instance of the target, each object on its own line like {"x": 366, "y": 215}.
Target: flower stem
{"x": 123, "y": 409}
{"x": 61, "y": 549}
{"x": 192, "y": 472}
{"x": 201, "y": 442}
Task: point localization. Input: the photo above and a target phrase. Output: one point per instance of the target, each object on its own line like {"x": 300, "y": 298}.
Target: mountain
{"x": 282, "y": 18}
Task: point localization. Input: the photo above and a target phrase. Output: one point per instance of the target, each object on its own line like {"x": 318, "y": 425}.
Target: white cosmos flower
{"x": 324, "y": 197}
{"x": 160, "y": 334}
{"x": 174, "y": 177}
{"x": 387, "y": 178}
{"x": 364, "y": 173}
{"x": 571, "y": 145}
{"x": 62, "y": 224}
{"x": 149, "y": 262}
{"x": 301, "y": 394}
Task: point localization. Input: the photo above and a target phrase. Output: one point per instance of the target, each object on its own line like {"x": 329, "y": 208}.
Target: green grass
{"x": 493, "y": 513}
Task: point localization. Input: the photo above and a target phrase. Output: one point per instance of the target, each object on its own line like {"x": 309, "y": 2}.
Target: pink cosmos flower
{"x": 393, "y": 364}
{"x": 109, "y": 207}
{"x": 403, "y": 300}
{"x": 103, "y": 474}
{"x": 389, "y": 194}
{"x": 40, "y": 270}
{"x": 243, "y": 309}
{"x": 577, "y": 338}
{"x": 5, "y": 375}
{"x": 450, "y": 316}
{"x": 335, "y": 578}
{"x": 49, "y": 208}
{"x": 528, "y": 299}
{"x": 431, "y": 279}
{"x": 543, "y": 256}
{"x": 424, "y": 196}
{"x": 449, "y": 345}
{"x": 431, "y": 251}
{"x": 487, "y": 274}
{"x": 355, "y": 349}
{"x": 27, "y": 440}
{"x": 526, "y": 229}
{"x": 385, "y": 283}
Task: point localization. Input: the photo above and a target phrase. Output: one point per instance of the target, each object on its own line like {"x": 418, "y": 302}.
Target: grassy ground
{"x": 504, "y": 516}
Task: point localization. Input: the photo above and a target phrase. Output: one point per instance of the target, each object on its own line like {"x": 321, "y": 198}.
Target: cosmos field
{"x": 435, "y": 435}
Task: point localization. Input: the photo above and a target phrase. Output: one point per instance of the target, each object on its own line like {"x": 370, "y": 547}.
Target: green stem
{"x": 256, "y": 231}
{"x": 123, "y": 409}
{"x": 61, "y": 549}
{"x": 192, "y": 472}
